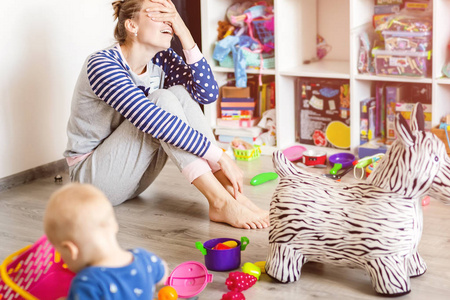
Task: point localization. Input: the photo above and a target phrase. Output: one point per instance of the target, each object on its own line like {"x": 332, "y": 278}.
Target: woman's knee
{"x": 166, "y": 100}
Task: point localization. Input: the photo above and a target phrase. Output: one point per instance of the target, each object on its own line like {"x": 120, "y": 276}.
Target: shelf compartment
{"x": 338, "y": 69}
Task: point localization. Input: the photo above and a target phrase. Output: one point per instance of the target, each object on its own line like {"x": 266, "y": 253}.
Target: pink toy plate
{"x": 294, "y": 153}
{"x": 189, "y": 279}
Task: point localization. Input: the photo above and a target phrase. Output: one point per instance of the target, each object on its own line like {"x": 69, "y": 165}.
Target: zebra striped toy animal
{"x": 375, "y": 225}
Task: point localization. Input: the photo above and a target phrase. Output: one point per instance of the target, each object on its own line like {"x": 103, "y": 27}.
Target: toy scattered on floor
{"x": 221, "y": 246}
{"x": 339, "y": 175}
{"x": 240, "y": 281}
{"x": 261, "y": 265}
{"x": 17, "y": 271}
{"x": 167, "y": 293}
{"x": 222, "y": 260}
{"x": 341, "y": 160}
{"x": 251, "y": 269}
{"x": 233, "y": 296}
{"x": 314, "y": 158}
{"x": 363, "y": 163}
{"x": 245, "y": 151}
{"x": 225, "y": 245}
{"x": 189, "y": 279}
{"x": 263, "y": 177}
{"x": 374, "y": 225}
{"x": 294, "y": 153}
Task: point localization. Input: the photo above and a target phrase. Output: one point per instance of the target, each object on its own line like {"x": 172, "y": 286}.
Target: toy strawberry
{"x": 240, "y": 281}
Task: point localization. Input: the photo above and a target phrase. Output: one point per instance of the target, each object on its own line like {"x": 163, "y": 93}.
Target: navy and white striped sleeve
{"x": 197, "y": 76}
{"x": 111, "y": 83}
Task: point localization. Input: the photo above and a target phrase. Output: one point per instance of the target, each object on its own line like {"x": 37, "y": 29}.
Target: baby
{"x": 80, "y": 223}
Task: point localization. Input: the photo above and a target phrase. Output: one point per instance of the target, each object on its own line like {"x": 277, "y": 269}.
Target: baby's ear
{"x": 71, "y": 248}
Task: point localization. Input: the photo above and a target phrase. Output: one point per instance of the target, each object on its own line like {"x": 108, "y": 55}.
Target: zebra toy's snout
{"x": 375, "y": 225}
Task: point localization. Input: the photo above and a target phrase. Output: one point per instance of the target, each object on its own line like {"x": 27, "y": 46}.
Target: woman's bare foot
{"x": 241, "y": 198}
{"x": 236, "y": 214}
{"x": 225, "y": 209}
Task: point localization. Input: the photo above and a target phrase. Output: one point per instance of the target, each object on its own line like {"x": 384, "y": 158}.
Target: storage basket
{"x": 35, "y": 272}
{"x": 247, "y": 154}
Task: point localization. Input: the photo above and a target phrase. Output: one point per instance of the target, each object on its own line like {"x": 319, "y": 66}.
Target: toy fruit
{"x": 261, "y": 265}
{"x": 426, "y": 200}
{"x": 240, "y": 281}
{"x": 263, "y": 177}
{"x": 230, "y": 244}
{"x": 167, "y": 293}
{"x": 221, "y": 246}
{"x": 233, "y": 296}
{"x": 251, "y": 269}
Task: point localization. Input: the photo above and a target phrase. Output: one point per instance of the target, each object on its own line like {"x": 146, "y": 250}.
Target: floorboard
{"x": 170, "y": 216}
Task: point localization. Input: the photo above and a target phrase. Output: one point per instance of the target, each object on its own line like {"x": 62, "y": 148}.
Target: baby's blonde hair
{"x": 124, "y": 10}
{"x": 75, "y": 212}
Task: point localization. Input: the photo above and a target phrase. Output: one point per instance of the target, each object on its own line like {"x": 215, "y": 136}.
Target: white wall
{"x": 43, "y": 46}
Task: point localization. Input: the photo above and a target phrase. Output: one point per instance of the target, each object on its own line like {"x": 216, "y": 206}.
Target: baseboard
{"x": 51, "y": 169}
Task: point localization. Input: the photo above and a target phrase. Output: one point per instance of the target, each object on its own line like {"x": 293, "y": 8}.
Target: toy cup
{"x": 222, "y": 260}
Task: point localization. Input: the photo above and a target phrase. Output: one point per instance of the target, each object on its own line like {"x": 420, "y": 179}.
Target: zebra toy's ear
{"x": 418, "y": 118}
{"x": 404, "y": 133}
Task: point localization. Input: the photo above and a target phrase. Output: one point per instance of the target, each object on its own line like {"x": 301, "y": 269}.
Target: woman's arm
{"x": 196, "y": 75}
{"x": 111, "y": 82}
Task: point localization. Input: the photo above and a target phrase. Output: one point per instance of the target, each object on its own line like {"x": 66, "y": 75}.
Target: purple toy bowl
{"x": 343, "y": 158}
{"x": 222, "y": 260}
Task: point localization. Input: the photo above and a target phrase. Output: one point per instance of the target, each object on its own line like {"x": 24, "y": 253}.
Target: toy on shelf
{"x": 222, "y": 260}
{"x": 17, "y": 271}
{"x": 188, "y": 279}
{"x": 374, "y": 225}
{"x": 247, "y": 41}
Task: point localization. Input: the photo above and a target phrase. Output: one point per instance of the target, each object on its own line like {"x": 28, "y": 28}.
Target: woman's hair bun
{"x": 117, "y": 5}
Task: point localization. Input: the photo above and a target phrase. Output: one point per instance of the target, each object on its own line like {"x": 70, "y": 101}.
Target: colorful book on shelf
{"x": 236, "y": 114}
{"x": 367, "y": 124}
{"x": 239, "y": 123}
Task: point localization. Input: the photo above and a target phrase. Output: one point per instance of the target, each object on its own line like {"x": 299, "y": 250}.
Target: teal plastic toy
{"x": 263, "y": 177}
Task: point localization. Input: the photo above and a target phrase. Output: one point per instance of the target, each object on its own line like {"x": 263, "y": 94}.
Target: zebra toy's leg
{"x": 390, "y": 275}
{"x": 416, "y": 265}
{"x": 284, "y": 263}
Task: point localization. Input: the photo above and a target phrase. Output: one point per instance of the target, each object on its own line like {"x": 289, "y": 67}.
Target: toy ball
{"x": 251, "y": 269}
{"x": 167, "y": 293}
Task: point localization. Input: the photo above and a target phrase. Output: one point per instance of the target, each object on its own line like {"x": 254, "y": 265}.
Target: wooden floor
{"x": 172, "y": 215}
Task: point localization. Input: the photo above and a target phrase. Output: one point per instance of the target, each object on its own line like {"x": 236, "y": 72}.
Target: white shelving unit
{"x": 340, "y": 22}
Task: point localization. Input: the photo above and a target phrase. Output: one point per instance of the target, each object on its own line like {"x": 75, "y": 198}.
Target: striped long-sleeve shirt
{"x": 107, "y": 91}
